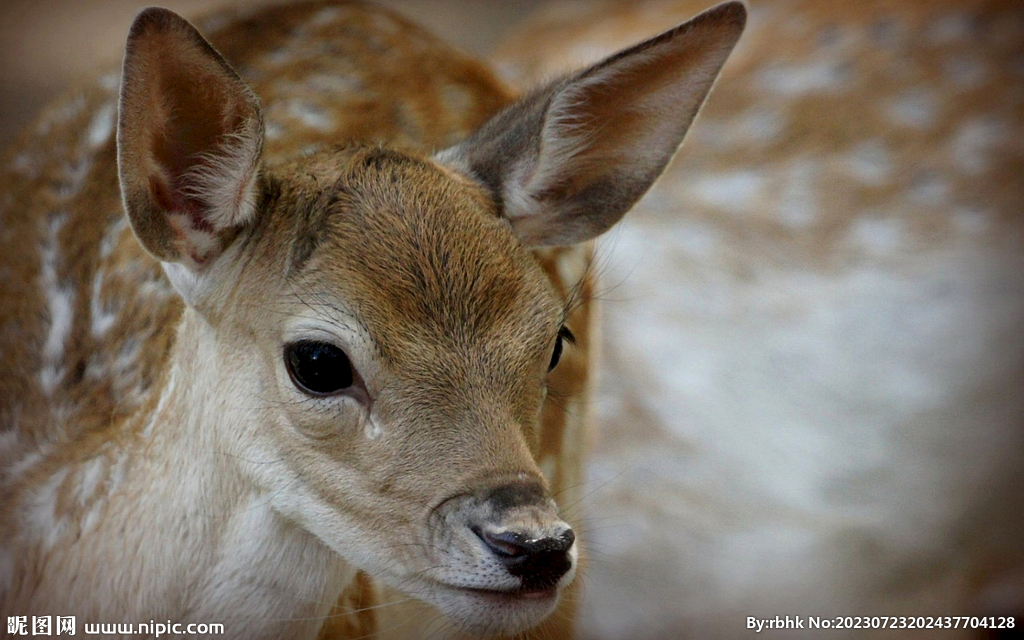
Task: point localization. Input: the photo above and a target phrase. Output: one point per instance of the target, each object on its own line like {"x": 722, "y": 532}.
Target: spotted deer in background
{"x": 824, "y": 411}
{"x": 288, "y": 344}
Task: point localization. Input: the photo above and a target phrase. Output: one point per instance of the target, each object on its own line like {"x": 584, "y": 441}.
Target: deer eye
{"x": 318, "y": 368}
{"x": 556, "y": 355}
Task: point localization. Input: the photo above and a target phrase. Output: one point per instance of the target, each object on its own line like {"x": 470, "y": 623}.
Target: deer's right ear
{"x": 568, "y": 162}
{"x": 189, "y": 142}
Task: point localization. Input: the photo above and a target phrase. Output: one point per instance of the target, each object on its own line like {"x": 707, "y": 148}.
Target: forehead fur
{"x": 405, "y": 240}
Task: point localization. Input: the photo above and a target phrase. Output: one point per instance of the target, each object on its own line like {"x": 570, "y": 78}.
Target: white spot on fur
{"x": 870, "y": 162}
{"x": 8, "y": 440}
{"x": 798, "y": 205}
{"x": 102, "y": 126}
{"x": 973, "y": 144}
{"x": 59, "y": 304}
{"x": 74, "y": 175}
{"x": 916, "y": 108}
{"x": 24, "y": 464}
{"x": 878, "y": 236}
{"x": 929, "y": 189}
{"x": 42, "y": 503}
{"x": 795, "y": 80}
{"x": 90, "y": 476}
{"x": 26, "y": 164}
{"x": 965, "y": 71}
{"x": 336, "y": 83}
{"x": 311, "y": 115}
{"x": 112, "y": 237}
{"x": 753, "y": 127}
{"x": 324, "y": 17}
{"x": 64, "y": 114}
{"x": 110, "y": 81}
{"x": 736, "y": 191}
{"x": 949, "y": 28}
{"x": 280, "y": 57}
{"x": 274, "y": 130}
{"x": 970, "y": 220}
{"x": 102, "y": 317}
{"x": 697, "y": 240}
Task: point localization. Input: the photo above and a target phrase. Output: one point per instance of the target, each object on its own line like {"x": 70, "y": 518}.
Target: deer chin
{"x": 491, "y": 612}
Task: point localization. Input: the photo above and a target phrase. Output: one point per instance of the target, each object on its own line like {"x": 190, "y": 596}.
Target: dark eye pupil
{"x": 563, "y": 335}
{"x": 318, "y": 368}
{"x": 557, "y": 354}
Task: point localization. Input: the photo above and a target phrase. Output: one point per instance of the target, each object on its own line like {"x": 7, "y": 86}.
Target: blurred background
{"x": 46, "y": 45}
{"x": 812, "y": 396}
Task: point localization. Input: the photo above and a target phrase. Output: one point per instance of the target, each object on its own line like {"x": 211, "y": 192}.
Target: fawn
{"x": 824, "y": 412}
{"x": 290, "y": 339}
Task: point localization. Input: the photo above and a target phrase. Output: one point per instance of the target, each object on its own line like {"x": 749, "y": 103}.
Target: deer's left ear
{"x": 189, "y": 142}
{"x": 568, "y": 162}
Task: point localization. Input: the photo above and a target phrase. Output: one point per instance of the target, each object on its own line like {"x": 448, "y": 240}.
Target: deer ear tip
{"x": 733, "y": 8}
{"x": 156, "y": 20}
{"x": 733, "y": 11}
{"x": 151, "y": 18}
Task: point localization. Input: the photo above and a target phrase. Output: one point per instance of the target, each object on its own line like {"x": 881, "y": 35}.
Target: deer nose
{"x": 540, "y": 562}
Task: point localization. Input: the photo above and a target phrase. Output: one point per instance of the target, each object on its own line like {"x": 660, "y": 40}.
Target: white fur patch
{"x": 110, "y": 81}
{"x": 184, "y": 280}
{"x": 102, "y": 317}
{"x": 194, "y": 243}
{"x": 102, "y": 126}
{"x": 41, "y": 508}
{"x": 798, "y": 205}
{"x": 735, "y": 191}
{"x": 965, "y": 70}
{"x": 311, "y": 115}
{"x": 970, "y": 220}
{"x": 800, "y": 79}
{"x": 90, "y": 477}
{"x": 949, "y": 28}
{"x": 26, "y": 164}
{"x": 60, "y": 305}
{"x": 869, "y": 162}
{"x": 916, "y": 108}
{"x": 324, "y": 17}
{"x": 929, "y": 190}
{"x": 974, "y": 142}
{"x": 879, "y": 236}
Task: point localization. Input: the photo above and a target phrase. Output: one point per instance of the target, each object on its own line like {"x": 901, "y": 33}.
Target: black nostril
{"x": 506, "y": 544}
{"x": 539, "y": 562}
{"x": 511, "y": 544}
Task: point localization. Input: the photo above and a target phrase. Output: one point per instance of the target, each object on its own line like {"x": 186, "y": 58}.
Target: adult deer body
{"x": 824, "y": 414}
{"x": 312, "y": 359}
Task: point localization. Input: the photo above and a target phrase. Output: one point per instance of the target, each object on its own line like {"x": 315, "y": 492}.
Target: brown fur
{"x": 340, "y": 216}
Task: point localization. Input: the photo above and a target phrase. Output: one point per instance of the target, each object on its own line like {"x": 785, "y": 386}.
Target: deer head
{"x": 367, "y": 329}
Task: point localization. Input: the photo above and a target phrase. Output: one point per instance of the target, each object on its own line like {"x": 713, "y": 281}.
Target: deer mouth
{"x": 532, "y": 602}
{"x": 513, "y": 595}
